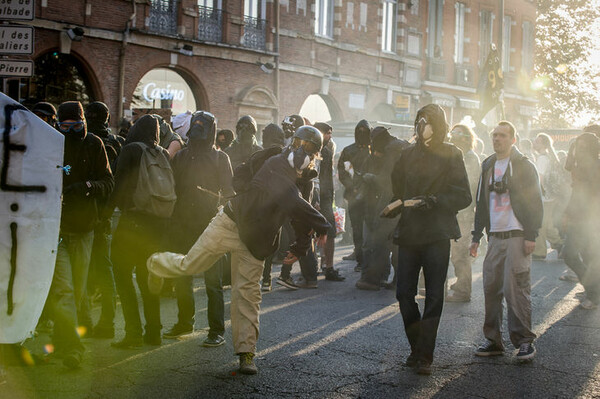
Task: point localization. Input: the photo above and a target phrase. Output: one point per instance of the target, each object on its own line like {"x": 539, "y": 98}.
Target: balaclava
{"x": 97, "y": 116}
{"x": 203, "y": 131}
{"x": 273, "y": 136}
{"x": 72, "y": 110}
{"x": 245, "y": 129}
{"x": 362, "y": 133}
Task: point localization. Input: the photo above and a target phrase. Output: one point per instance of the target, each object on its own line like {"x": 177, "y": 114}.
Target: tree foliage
{"x": 566, "y": 39}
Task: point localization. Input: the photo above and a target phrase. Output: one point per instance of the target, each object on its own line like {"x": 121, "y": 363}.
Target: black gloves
{"x": 426, "y": 202}
{"x": 79, "y": 189}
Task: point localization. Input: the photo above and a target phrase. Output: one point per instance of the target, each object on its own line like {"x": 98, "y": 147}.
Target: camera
{"x": 499, "y": 187}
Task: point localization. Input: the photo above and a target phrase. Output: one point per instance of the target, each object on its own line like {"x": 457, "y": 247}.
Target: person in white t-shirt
{"x": 509, "y": 207}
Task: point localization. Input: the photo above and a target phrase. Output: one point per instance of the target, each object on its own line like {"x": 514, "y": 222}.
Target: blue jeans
{"x": 421, "y": 330}
{"x": 68, "y": 288}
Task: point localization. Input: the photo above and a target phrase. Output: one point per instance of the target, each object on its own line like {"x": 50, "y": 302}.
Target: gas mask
{"x": 245, "y": 129}
{"x": 424, "y": 132}
{"x": 299, "y": 159}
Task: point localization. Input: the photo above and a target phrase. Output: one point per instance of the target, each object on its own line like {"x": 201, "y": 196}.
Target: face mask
{"x": 299, "y": 159}
{"x": 424, "y": 132}
{"x": 245, "y": 133}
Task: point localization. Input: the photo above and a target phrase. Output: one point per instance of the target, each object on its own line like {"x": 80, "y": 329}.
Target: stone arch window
{"x": 261, "y": 103}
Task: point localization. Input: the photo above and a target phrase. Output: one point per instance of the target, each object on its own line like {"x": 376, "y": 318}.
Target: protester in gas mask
{"x": 431, "y": 180}
{"x": 245, "y": 143}
{"x": 378, "y": 245}
{"x": 248, "y": 226}
{"x": 509, "y": 207}
{"x": 202, "y": 183}
{"x": 89, "y": 178}
{"x": 350, "y": 169}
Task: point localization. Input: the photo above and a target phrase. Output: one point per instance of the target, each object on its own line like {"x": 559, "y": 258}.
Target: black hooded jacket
{"x": 209, "y": 169}
{"x": 88, "y": 184}
{"x": 146, "y": 131}
{"x": 272, "y": 198}
{"x": 112, "y": 143}
{"x": 524, "y": 191}
{"x": 356, "y": 154}
{"x": 240, "y": 151}
{"x": 435, "y": 171}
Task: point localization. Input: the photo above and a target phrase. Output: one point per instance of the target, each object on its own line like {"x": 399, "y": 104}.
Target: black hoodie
{"x": 145, "y": 130}
{"x": 356, "y": 154}
{"x": 524, "y": 191}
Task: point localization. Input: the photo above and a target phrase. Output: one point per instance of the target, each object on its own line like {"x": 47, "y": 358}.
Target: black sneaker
{"x": 333, "y": 275}
{"x": 287, "y": 282}
{"x": 73, "y": 359}
{"x": 489, "y": 349}
{"x": 367, "y": 286}
{"x": 212, "y": 342}
{"x": 247, "y": 365}
{"x": 526, "y": 351}
{"x": 153, "y": 338}
{"x": 178, "y": 331}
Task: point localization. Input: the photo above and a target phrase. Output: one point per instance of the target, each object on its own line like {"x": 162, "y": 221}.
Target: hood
{"x": 100, "y": 129}
{"x": 273, "y": 136}
{"x": 380, "y": 138}
{"x": 144, "y": 130}
{"x": 362, "y": 133}
{"x": 435, "y": 116}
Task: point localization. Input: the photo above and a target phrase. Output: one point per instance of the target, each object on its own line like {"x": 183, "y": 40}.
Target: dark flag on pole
{"x": 491, "y": 82}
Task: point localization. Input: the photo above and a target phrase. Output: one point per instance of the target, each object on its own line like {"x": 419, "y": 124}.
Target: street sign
{"x": 16, "y": 39}
{"x": 21, "y": 10}
{"x": 16, "y": 68}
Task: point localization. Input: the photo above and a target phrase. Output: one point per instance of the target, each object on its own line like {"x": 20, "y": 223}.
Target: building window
{"x": 412, "y": 76}
{"x": 324, "y": 18}
{"x": 528, "y": 44}
{"x": 388, "y": 26}
{"x": 163, "y": 17}
{"x": 485, "y": 35}
{"x": 363, "y": 17}
{"x": 506, "y": 36}
{"x": 414, "y": 7}
{"x": 255, "y": 26}
{"x": 413, "y": 44}
{"x": 436, "y": 21}
{"x": 350, "y": 15}
{"x": 210, "y": 20}
{"x": 459, "y": 33}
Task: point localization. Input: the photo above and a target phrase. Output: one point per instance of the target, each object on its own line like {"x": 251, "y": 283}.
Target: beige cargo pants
{"x": 222, "y": 236}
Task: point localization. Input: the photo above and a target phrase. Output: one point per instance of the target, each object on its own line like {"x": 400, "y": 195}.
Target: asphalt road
{"x": 339, "y": 342}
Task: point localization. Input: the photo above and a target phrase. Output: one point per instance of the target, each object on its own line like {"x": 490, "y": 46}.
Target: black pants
{"x": 137, "y": 237}
{"x": 356, "y": 212}
{"x": 421, "y": 330}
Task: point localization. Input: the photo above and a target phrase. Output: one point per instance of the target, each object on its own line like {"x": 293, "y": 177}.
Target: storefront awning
{"x": 442, "y": 99}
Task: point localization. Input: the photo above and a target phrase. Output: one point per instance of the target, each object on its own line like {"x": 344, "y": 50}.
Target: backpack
{"x": 243, "y": 173}
{"x": 155, "y": 190}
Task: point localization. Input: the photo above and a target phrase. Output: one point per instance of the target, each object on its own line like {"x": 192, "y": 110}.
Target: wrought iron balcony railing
{"x": 255, "y": 32}
{"x": 210, "y": 24}
{"x": 163, "y": 17}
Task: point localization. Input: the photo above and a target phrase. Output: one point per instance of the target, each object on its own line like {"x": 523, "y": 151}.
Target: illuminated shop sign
{"x": 152, "y": 92}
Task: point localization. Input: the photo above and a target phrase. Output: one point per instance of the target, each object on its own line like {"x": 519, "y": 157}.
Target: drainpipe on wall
{"x": 277, "y": 118}
{"x": 129, "y": 25}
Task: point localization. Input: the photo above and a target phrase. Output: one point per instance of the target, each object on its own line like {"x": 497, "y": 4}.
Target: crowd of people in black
{"x": 159, "y": 203}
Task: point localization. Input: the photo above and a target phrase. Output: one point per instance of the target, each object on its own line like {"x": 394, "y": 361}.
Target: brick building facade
{"x": 376, "y": 59}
